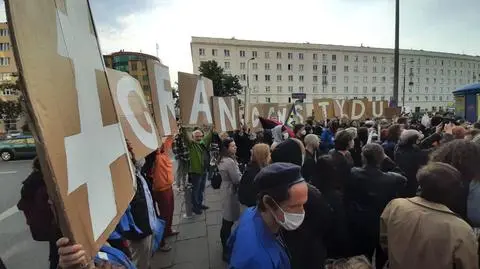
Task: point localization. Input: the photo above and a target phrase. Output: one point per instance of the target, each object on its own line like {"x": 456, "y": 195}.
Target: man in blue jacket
{"x": 257, "y": 242}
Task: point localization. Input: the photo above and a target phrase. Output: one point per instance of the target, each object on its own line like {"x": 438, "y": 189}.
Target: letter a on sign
{"x": 82, "y": 146}
{"x": 195, "y": 95}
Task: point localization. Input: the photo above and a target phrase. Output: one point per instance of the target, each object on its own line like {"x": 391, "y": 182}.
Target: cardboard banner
{"x": 135, "y": 118}
{"x": 256, "y": 111}
{"x": 354, "y": 109}
{"x": 82, "y": 149}
{"x": 226, "y": 114}
{"x": 162, "y": 99}
{"x": 195, "y": 99}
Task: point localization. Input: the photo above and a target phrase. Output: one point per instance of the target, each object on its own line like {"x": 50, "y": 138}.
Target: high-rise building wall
{"x": 276, "y": 70}
{"x": 135, "y": 64}
{"x": 8, "y": 68}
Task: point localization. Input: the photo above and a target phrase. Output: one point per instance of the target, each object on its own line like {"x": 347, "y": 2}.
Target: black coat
{"x": 247, "y": 190}
{"x": 343, "y": 164}
{"x": 410, "y": 158}
{"x": 308, "y": 167}
{"x": 306, "y": 244}
{"x": 367, "y": 193}
{"x": 140, "y": 214}
{"x": 244, "y": 145}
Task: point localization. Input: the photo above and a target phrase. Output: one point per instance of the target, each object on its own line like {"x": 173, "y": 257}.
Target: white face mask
{"x": 303, "y": 132}
{"x": 285, "y": 136}
{"x": 292, "y": 220}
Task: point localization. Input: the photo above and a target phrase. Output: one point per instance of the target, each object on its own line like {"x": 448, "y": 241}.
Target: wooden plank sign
{"x": 82, "y": 147}
{"x": 256, "y": 111}
{"x": 354, "y": 109}
{"x": 135, "y": 119}
{"x": 226, "y": 114}
{"x": 162, "y": 99}
{"x": 195, "y": 99}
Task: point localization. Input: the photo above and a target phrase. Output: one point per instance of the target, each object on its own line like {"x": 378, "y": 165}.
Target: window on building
{"x": 374, "y": 98}
{"x": 279, "y": 55}
{"x": 426, "y": 98}
{"x": 315, "y": 56}
{"x": 242, "y": 66}
{"x": 300, "y": 78}
{"x": 279, "y": 77}
{"x": 384, "y": 69}
{"x": 279, "y": 89}
{"x": 315, "y": 89}
{"x": 355, "y": 69}
{"x": 267, "y": 89}
{"x": 345, "y": 68}
{"x": 243, "y": 77}
{"x": 290, "y": 78}
{"x": 364, "y": 89}
{"x": 334, "y": 68}
{"x": 356, "y": 79}
{"x": 201, "y": 51}
{"x": 427, "y": 71}
{"x": 324, "y": 69}
{"x": 365, "y": 69}
{"x": 290, "y": 55}
{"x": 427, "y": 61}
{"x": 315, "y": 67}
{"x": 384, "y": 60}
{"x": 267, "y": 99}
{"x": 290, "y": 88}
{"x": 301, "y": 89}
{"x": 355, "y": 89}
{"x": 440, "y": 98}
{"x": 355, "y": 58}
{"x": 267, "y": 66}
{"x": 374, "y": 58}
{"x": 4, "y": 61}
{"x": 290, "y": 67}
{"x": 384, "y": 79}
{"x": 255, "y": 77}
{"x": 300, "y": 67}
{"x": 227, "y": 65}
{"x": 315, "y": 78}
{"x": 334, "y": 89}
{"x": 226, "y": 53}
{"x": 300, "y": 56}
{"x": 267, "y": 55}
{"x": 4, "y": 46}
{"x": 427, "y": 80}
{"x": 374, "y": 79}
{"x": 334, "y": 79}
{"x": 334, "y": 57}
{"x": 345, "y": 89}
{"x": 242, "y": 53}
{"x": 279, "y": 67}
{"x": 214, "y": 52}
{"x": 267, "y": 77}
{"x": 345, "y": 79}
{"x": 324, "y": 57}
{"x": 255, "y": 66}
{"x": 365, "y": 79}
{"x": 254, "y": 54}
{"x": 426, "y": 89}
{"x": 134, "y": 66}
{"x": 374, "y": 69}
{"x": 365, "y": 59}
{"x": 3, "y": 32}
{"x": 345, "y": 58}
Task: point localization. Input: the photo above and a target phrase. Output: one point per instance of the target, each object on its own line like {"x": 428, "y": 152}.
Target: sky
{"x": 437, "y": 25}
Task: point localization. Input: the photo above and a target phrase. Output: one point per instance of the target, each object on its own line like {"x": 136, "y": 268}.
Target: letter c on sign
{"x": 126, "y": 85}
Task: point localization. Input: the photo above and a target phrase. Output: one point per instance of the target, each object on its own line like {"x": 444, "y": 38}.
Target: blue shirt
{"x": 254, "y": 246}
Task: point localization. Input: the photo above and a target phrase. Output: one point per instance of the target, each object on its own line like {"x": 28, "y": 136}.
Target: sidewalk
{"x": 197, "y": 246}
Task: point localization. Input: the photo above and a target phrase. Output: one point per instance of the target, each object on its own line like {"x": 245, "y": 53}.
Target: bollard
{"x": 187, "y": 195}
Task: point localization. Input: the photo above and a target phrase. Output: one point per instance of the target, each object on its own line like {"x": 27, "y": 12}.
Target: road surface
{"x": 17, "y": 249}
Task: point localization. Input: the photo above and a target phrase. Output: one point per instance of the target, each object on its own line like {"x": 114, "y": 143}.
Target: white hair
{"x": 197, "y": 132}
{"x": 311, "y": 139}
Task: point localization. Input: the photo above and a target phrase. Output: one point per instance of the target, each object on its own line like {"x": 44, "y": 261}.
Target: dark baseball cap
{"x": 278, "y": 175}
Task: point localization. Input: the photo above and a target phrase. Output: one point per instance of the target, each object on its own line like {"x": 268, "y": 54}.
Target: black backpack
{"x": 247, "y": 191}
{"x": 216, "y": 180}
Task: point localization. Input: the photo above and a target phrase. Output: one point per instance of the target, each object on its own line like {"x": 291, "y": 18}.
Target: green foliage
{"x": 223, "y": 84}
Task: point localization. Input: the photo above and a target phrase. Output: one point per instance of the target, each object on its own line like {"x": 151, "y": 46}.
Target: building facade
{"x": 273, "y": 71}
{"x": 135, "y": 64}
{"x": 8, "y": 68}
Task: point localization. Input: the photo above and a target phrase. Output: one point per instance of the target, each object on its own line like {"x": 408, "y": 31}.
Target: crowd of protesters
{"x": 397, "y": 194}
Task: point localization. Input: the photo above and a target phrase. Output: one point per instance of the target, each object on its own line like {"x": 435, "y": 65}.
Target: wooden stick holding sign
{"x": 82, "y": 147}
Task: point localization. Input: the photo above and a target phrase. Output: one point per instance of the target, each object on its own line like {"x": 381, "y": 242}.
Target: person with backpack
{"x": 39, "y": 212}
{"x": 247, "y": 191}
{"x": 230, "y": 173}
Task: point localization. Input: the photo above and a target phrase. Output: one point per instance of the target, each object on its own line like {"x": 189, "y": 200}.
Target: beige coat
{"x": 418, "y": 234}
{"x": 228, "y": 169}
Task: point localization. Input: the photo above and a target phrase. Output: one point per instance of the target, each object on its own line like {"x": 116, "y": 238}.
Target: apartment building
{"x": 276, "y": 70}
{"x": 8, "y": 68}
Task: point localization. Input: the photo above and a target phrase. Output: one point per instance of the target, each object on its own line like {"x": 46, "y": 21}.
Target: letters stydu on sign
{"x": 354, "y": 109}
{"x": 83, "y": 152}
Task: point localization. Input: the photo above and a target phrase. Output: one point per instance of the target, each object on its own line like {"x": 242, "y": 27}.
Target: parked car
{"x": 11, "y": 134}
{"x": 17, "y": 147}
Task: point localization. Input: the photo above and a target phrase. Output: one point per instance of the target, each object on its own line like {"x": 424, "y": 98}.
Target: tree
{"x": 223, "y": 84}
{"x": 10, "y": 110}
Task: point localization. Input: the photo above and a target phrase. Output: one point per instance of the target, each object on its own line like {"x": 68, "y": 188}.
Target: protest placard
{"x": 85, "y": 161}
{"x": 136, "y": 121}
{"x": 226, "y": 114}
{"x": 195, "y": 99}
{"x": 354, "y": 109}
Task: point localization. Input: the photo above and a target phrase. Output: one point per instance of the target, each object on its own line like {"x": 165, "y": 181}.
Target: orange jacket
{"x": 162, "y": 172}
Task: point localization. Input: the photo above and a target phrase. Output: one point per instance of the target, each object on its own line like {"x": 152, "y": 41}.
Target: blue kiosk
{"x": 467, "y": 102}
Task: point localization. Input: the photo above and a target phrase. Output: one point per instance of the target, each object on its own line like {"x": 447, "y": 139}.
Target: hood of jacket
{"x": 277, "y": 134}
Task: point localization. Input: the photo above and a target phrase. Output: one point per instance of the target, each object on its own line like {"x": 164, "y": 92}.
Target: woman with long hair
{"x": 228, "y": 169}
{"x": 247, "y": 191}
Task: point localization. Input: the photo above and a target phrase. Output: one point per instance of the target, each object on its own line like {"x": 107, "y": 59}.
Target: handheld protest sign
{"x": 323, "y": 109}
{"x": 83, "y": 152}
{"x": 376, "y": 109}
{"x": 226, "y": 114}
{"x": 195, "y": 99}
{"x": 135, "y": 119}
{"x": 256, "y": 111}
{"x": 358, "y": 109}
{"x": 162, "y": 98}
{"x": 341, "y": 108}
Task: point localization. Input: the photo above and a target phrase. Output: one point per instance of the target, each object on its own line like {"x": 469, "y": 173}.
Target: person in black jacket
{"x": 342, "y": 159}
{"x": 306, "y": 244}
{"x": 244, "y": 145}
{"x": 367, "y": 193}
{"x": 312, "y": 142}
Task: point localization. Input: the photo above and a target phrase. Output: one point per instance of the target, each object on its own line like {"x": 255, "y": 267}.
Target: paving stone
{"x": 191, "y": 230}
{"x": 213, "y": 197}
{"x": 194, "y": 218}
{"x": 214, "y": 218}
{"x": 190, "y": 265}
{"x": 164, "y": 259}
{"x": 214, "y": 206}
{"x": 192, "y": 251}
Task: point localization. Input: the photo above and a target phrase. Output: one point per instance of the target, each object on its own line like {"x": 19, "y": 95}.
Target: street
{"x": 17, "y": 248}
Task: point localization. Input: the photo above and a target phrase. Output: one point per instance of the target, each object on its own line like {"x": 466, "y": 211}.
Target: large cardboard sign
{"x": 355, "y": 109}
{"x": 162, "y": 99}
{"x": 82, "y": 148}
{"x": 195, "y": 99}
{"x": 226, "y": 114}
{"x": 135, "y": 119}
{"x": 279, "y": 112}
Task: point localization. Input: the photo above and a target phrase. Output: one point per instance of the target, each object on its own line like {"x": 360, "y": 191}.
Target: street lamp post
{"x": 396, "y": 52}
{"x": 404, "y": 82}
{"x": 247, "y": 90}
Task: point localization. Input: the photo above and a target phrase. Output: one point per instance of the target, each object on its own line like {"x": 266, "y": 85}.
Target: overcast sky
{"x": 438, "y": 25}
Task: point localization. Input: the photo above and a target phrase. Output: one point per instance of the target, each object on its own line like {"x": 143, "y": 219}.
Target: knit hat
{"x": 288, "y": 152}
{"x": 278, "y": 175}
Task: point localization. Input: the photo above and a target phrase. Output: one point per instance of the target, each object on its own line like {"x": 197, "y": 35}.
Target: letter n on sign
{"x": 225, "y": 114}
{"x": 81, "y": 144}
